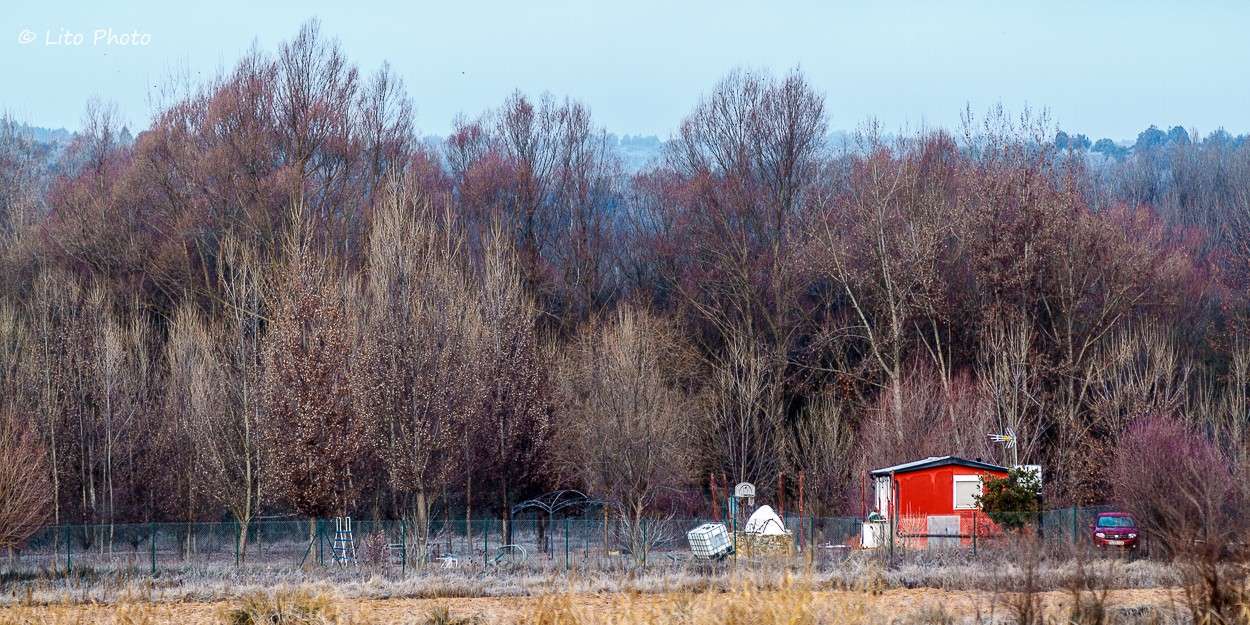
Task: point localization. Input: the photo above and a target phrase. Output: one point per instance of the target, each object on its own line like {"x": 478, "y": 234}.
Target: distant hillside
{"x": 59, "y": 136}
{"x": 47, "y": 144}
{"x": 638, "y": 152}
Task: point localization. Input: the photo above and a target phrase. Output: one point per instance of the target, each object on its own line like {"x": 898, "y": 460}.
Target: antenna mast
{"x": 1008, "y": 440}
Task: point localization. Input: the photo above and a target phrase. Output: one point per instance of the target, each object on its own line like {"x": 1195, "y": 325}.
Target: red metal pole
{"x": 781, "y": 489}
{"x": 715, "y": 507}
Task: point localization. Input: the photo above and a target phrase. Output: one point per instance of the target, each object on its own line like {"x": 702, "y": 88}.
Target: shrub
{"x": 1011, "y": 501}
{"x": 25, "y": 490}
{"x": 442, "y": 615}
{"x": 285, "y": 606}
{"x": 1179, "y": 487}
{"x": 1185, "y": 497}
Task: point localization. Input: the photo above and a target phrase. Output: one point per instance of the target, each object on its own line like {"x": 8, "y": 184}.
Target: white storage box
{"x": 874, "y": 534}
{"x": 710, "y": 541}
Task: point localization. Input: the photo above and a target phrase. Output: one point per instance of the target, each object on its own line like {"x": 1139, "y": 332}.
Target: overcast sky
{"x": 1100, "y": 68}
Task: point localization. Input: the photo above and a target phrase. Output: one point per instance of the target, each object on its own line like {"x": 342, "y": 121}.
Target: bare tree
{"x": 545, "y": 171}
{"x": 418, "y": 379}
{"x": 25, "y": 495}
{"x": 123, "y": 372}
{"x": 1229, "y": 418}
{"x": 314, "y": 441}
{"x": 587, "y": 183}
{"x": 1077, "y": 277}
{"x": 884, "y": 243}
{"x": 46, "y": 312}
{"x": 728, "y": 235}
{"x": 1177, "y": 484}
{"x": 238, "y": 430}
{"x": 216, "y": 390}
{"x": 746, "y": 410}
{"x": 21, "y": 182}
{"x": 1142, "y": 372}
{"x": 510, "y": 433}
{"x": 924, "y": 426}
{"x": 528, "y": 137}
{"x": 627, "y": 429}
{"x": 1009, "y": 367}
{"x": 819, "y": 444}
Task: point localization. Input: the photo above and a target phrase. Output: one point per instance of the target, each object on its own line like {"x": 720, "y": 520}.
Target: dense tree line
{"x": 277, "y": 298}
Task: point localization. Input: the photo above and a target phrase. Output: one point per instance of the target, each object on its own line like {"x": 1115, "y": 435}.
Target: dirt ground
{"x": 885, "y": 607}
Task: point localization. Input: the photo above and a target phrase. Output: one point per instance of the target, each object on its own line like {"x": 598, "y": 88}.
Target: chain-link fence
{"x": 530, "y": 541}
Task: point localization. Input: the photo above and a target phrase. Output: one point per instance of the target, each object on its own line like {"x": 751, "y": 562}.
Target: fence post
{"x": 974, "y": 533}
{"x": 566, "y": 543}
{"x": 485, "y": 544}
{"x": 1073, "y": 526}
{"x": 811, "y": 536}
{"x": 891, "y": 528}
{"x": 154, "y": 548}
{"x": 403, "y": 548}
{"x": 68, "y": 548}
{"x": 235, "y": 523}
{"x": 644, "y": 543}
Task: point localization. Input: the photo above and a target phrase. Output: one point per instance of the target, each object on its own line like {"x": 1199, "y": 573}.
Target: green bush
{"x": 1011, "y": 501}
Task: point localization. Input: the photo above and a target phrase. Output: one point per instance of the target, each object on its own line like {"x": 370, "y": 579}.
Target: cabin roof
{"x": 937, "y": 461}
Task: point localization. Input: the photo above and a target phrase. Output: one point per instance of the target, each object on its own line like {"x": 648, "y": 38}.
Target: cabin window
{"x": 967, "y": 487}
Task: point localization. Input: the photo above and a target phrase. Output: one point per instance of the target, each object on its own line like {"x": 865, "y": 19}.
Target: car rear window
{"x": 1115, "y": 521}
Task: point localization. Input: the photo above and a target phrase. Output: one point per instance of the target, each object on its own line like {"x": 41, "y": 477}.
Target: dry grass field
{"x": 794, "y": 605}
{"x": 1096, "y": 592}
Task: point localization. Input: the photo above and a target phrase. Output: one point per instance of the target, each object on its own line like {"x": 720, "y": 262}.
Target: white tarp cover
{"x": 765, "y": 522}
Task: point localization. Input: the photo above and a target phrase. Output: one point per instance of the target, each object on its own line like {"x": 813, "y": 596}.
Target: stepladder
{"x": 344, "y": 541}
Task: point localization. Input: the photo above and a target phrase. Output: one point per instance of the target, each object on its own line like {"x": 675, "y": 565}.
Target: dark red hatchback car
{"x": 1115, "y": 529}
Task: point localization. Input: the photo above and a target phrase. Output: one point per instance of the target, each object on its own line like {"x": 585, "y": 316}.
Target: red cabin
{"x": 932, "y": 502}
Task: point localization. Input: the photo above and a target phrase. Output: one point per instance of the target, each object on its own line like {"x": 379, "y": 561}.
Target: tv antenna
{"x": 1008, "y": 440}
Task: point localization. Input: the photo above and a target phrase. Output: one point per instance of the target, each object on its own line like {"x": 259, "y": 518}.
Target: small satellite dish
{"x": 744, "y": 490}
